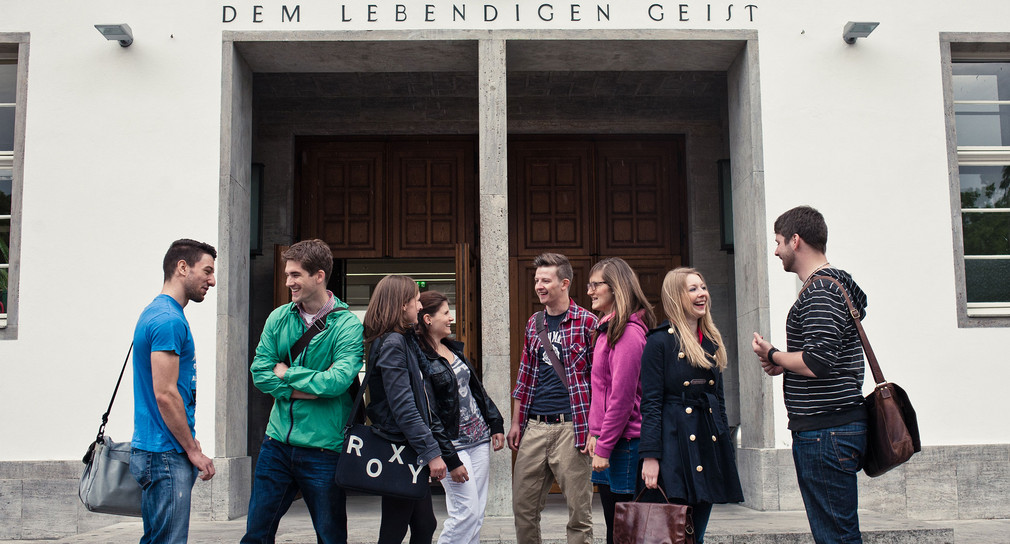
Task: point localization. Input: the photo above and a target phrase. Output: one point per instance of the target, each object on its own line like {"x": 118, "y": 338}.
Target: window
{"x": 8, "y": 89}
{"x": 980, "y": 92}
{"x": 13, "y": 65}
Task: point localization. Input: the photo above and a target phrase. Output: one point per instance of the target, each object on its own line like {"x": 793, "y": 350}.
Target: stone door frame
{"x": 756, "y": 456}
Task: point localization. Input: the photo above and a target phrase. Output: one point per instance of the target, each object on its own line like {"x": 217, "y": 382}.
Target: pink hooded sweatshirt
{"x": 616, "y": 408}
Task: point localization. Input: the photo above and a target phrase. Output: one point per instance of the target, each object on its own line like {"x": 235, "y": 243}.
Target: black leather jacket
{"x": 398, "y": 407}
{"x": 438, "y": 372}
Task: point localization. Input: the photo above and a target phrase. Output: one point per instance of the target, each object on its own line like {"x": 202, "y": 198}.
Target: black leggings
{"x": 398, "y": 514}
{"x": 609, "y": 501}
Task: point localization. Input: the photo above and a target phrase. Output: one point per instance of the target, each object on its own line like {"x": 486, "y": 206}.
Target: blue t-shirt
{"x": 551, "y": 395}
{"x": 162, "y": 327}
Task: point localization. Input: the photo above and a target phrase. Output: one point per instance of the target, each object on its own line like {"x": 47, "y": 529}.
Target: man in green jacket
{"x": 311, "y": 401}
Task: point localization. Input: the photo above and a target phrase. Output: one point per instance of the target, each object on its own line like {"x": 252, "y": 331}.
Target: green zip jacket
{"x": 326, "y": 368}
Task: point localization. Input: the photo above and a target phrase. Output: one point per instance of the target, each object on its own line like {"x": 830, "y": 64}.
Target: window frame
{"x": 969, "y": 47}
{"x": 14, "y": 45}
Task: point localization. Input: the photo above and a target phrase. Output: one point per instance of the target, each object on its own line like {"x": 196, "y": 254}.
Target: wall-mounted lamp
{"x": 857, "y": 30}
{"x": 117, "y": 32}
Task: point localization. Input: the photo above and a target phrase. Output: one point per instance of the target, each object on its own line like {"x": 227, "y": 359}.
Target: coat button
{"x": 711, "y": 382}
{"x": 687, "y": 384}
{"x": 671, "y": 330}
{"x": 710, "y": 410}
{"x": 691, "y": 438}
{"x": 698, "y": 468}
{"x": 714, "y": 439}
{"x": 680, "y": 355}
{"x": 688, "y": 410}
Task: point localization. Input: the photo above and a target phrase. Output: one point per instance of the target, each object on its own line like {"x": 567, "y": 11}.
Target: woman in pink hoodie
{"x": 615, "y": 416}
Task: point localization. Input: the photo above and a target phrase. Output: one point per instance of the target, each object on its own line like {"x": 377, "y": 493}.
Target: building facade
{"x": 454, "y": 141}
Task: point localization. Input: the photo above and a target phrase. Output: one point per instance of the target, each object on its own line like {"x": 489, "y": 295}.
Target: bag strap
{"x": 316, "y": 327}
{"x": 359, "y": 396}
{"x": 878, "y": 376}
{"x": 549, "y": 347}
{"x": 105, "y": 416}
{"x": 689, "y": 522}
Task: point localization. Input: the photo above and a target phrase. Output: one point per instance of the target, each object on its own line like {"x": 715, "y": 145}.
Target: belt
{"x": 551, "y": 418}
{"x": 707, "y": 402}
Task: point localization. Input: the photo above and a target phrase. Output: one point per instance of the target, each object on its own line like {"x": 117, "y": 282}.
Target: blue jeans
{"x": 827, "y": 461}
{"x": 166, "y": 480}
{"x": 282, "y": 471}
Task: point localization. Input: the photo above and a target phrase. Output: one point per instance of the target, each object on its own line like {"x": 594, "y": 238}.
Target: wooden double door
{"x": 398, "y": 199}
{"x": 591, "y": 198}
{"x": 588, "y": 197}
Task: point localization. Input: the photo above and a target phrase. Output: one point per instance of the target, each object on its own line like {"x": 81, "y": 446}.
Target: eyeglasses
{"x": 591, "y": 286}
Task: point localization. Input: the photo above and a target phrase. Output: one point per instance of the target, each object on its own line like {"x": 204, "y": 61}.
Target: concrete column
{"x": 229, "y": 490}
{"x": 494, "y": 264}
{"x": 757, "y": 456}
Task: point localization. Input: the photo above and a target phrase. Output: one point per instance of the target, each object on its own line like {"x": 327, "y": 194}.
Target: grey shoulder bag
{"x": 107, "y": 486}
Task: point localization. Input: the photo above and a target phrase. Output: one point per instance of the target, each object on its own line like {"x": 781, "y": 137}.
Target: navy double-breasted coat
{"x": 684, "y": 423}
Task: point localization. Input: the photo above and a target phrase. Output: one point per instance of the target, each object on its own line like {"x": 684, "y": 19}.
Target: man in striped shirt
{"x": 822, "y": 370}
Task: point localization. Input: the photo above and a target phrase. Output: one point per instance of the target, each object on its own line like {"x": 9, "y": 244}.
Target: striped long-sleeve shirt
{"x": 819, "y": 325}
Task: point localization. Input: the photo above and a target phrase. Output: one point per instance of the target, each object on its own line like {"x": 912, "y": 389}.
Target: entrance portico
{"x": 496, "y": 86}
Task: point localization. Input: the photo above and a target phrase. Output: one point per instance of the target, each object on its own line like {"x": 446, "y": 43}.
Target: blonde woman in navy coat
{"x": 685, "y": 444}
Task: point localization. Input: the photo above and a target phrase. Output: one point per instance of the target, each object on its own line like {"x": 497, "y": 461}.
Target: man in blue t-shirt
{"x": 166, "y": 455}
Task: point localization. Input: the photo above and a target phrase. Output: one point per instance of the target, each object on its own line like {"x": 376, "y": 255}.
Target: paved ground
{"x": 730, "y": 524}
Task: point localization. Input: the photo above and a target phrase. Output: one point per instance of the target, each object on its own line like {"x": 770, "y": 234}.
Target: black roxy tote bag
{"x": 372, "y": 464}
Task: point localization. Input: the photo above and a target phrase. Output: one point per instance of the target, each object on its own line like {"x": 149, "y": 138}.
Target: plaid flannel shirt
{"x": 576, "y": 355}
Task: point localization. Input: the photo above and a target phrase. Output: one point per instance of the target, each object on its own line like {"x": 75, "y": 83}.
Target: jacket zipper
{"x": 291, "y": 402}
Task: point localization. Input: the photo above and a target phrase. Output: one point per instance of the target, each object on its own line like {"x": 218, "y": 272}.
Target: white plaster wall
{"x": 121, "y": 158}
{"x": 123, "y": 149}
{"x": 859, "y": 133}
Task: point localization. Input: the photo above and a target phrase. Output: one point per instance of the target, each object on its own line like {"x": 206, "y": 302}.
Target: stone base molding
{"x": 38, "y": 499}
{"x": 939, "y": 483}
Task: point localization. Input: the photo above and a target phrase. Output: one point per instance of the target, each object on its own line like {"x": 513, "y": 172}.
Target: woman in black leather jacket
{"x": 468, "y": 416}
{"x": 399, "y": 407}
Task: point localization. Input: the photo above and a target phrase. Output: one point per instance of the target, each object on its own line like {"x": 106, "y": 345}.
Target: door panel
{"x": 430, "y": 184}
{"x": 282, "y": 295}
{"x": 591, "y": 198}
{"x": 550, "y": 192}
{"x": 467, "y": 330}
{"x": 341, "y": 197}
{"x": 651, "y": 272}
{"x": 634, "y": 195}
{"x": 401, "y": 198}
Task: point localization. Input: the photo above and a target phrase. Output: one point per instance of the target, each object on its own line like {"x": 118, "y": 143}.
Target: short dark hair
{"x": 313, "y": 255}
{"x": 808, "y": 223}
{"x": 565, "y": 271}
{"x": 187, "y": 250}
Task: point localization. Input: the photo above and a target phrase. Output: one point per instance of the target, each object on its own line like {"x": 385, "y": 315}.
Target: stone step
{"x": 730, "y": 524}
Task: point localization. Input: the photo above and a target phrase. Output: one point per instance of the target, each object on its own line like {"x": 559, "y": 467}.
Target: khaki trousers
{"x": 547, "y": 453}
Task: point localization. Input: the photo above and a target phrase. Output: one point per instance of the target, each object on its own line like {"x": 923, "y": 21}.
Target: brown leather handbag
{"x": 892, "y": 429}
{"x": 653, "y": 523}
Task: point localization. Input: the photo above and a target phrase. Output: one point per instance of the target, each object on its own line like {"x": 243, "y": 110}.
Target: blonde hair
{"x": 674, "y": 295}
{"x": 385, "y": 309}
{"x": 628, "y": 296}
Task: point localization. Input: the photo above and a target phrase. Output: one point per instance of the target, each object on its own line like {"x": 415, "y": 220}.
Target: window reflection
{"x": 979, "y": 117}
{"x": 8, "y": 81}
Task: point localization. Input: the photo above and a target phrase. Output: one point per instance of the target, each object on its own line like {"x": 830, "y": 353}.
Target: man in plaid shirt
{"x": 550, "y": 420}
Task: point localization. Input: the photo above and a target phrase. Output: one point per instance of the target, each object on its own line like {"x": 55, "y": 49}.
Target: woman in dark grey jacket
{"x": 399, "y": 407}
